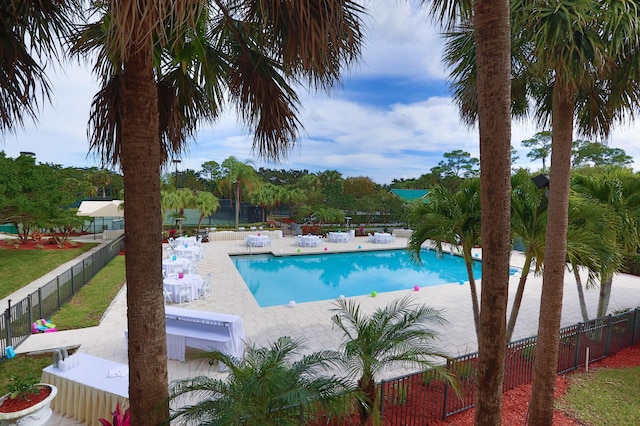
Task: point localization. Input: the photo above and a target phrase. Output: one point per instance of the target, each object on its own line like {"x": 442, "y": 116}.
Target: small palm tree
{"x": 395, "y": 334}
{"x": 267, "y": 387}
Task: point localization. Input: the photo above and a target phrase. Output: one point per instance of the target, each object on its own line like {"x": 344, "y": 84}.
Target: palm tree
{"x": 574, "y": 59}
{"x": 395, "y": 334}
{"x": 491, "y": 100}
{"x": 266, "y": 387}
{"x": 30, "y": 34}
{"x": 618, "y": 192}
{"x": 243, "y": 52}
{"x": 592, "y": 242}
{"x": 206, "y": 203}
{"x": 238, "y": 176}
{"x": 452, "y": 218}
{"x": 529, "y": 224}
{"x": 180, "y": 199}
{"x": 584, "y": 67}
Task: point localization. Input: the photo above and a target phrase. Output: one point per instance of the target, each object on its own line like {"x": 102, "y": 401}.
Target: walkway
{"x": 312, "y": 320}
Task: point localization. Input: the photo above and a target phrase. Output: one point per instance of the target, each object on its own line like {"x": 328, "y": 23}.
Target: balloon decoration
{"x": 374, "y": 293}
{"x": 416, "y": 288}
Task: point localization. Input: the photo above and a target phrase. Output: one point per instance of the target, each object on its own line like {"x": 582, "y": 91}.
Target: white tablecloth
{"x": 190, "y": 252}
{"x": 173, "y": 284}
{"x": 169, "y": 266}
{"x": 382, "y": 238}
{"x": 86, "y": 392}
{"x": 308, "y": 240}
{"x": 258, "y": 241}
{"x": 339, "y": 237}
{"x": 186, "y": 240}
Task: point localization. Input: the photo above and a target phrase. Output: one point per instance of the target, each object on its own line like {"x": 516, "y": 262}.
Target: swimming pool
{"x": 277, "y": 280}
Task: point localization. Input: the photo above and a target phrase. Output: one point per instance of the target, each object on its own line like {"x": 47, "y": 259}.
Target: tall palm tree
{"x": 269, "y": 386}
{"x": 583, "y": 65}
{"x": 238, "y": 177}
{"x": 453, "y": 218}
{"x": 247, "y": 52}
{"x": 395, "y": 334}
{"x": 29, "y": 34}
{"x": 492, "y": 99}
{"x": 576, "y": 59}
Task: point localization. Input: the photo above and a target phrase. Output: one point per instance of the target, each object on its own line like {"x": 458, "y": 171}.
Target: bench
{"x": 405, "y": 233}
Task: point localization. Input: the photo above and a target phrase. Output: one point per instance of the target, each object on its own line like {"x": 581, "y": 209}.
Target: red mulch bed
{"x": 514, "y": 402}
{"x": 43, "y": 244}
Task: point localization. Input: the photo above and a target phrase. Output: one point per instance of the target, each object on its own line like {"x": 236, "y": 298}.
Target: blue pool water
{"x": 277, "y": 280}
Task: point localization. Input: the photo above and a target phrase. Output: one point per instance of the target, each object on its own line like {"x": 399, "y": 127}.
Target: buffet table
{"x": 203, "y": 330}
{"x": 91, "y": 390}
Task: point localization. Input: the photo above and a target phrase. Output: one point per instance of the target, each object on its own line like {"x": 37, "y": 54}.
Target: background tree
{"x": 596, "y": 154}
{"x": 207, "y": 204}
{"x": 238, "y": 177}
{"x": 34, "y": 196}
{"x": 540, "y": 145}
{"x": 458, "y": 164}
{"x": 180, "y": 200}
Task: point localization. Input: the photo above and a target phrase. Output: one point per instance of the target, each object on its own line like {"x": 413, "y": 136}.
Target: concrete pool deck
{"x": 311, "y": 321}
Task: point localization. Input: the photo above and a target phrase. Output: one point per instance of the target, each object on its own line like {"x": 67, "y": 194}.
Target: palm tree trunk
{"x": 237, "y": 195}
{"x": 605, "y": 296}
{"x": 517, "y": 301}
{"x": 468, "y": 260}
{"x": 546, "y": 358}
{"x": 148, "y": 391}
{"x": 493, "y": 53}
{"x": 583, "y": 303}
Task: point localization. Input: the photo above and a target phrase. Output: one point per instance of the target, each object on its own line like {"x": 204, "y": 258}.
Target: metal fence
{"x": 17, "y": 320}
{"x": 425, "y": 397}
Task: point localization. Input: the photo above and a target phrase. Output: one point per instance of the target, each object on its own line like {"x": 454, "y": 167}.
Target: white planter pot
{"x": 36, "y": 415}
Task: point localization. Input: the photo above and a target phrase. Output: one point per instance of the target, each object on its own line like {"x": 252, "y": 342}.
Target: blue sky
{"x": 391, "y": 118}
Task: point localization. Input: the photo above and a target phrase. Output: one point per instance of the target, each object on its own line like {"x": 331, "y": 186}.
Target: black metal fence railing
{"x": 425, "y": 397}
{"x": 17, "y": 319}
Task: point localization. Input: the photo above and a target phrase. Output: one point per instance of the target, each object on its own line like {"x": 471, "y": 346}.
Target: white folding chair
{"x": 205, "y": 290}
{"x": 167, "y": 296}
{"x": 184, "y": 294}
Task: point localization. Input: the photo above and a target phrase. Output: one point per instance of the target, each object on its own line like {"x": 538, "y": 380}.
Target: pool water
{"x": 278, "y": 280}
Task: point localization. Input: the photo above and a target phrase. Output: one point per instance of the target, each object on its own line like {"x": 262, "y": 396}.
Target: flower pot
{"x": 34, "y": 415}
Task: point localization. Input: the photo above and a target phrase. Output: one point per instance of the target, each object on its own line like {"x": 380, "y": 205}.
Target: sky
{"x": 392, "y": 117}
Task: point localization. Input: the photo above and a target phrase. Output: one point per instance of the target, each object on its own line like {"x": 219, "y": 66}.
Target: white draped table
{"x": 169, "y": 265}
{"x": 258, "y": 241}
{"x": 173, "y": 284}
{"x": 91, "y": 390}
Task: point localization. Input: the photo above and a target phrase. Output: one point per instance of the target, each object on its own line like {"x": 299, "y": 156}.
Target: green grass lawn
{"x": 20, "y": 267}
{"x": 605, "y": 397}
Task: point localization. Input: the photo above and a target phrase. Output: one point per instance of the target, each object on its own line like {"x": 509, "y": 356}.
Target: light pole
{"x": 176, "y": 162}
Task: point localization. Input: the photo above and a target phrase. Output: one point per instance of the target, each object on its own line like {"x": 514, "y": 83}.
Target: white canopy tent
{"x": 101, "y": 209}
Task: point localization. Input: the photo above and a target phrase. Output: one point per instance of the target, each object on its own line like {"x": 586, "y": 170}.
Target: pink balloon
{"x": 416, "y": 288}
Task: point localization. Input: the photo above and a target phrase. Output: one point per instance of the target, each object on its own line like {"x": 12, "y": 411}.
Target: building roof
{"x": 410, "y": 194}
